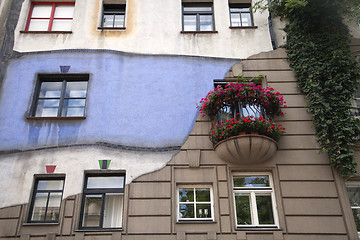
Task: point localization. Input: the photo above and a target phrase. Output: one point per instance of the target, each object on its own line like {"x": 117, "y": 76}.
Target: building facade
{"x": 100, "y": 137}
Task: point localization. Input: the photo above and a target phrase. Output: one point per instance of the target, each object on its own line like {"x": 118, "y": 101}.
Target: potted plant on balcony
{"x": 243, "y": 130}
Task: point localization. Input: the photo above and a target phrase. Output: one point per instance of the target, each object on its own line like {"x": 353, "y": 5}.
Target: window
{"x": 46, "y": 200}
{"x": 113, "y": 16}
{"x": 355, "y": 110}
{"x": 198, "y": 17}
{"x": 254, "y": 201}
{"x": 62, "y": 95}
{"x": 195, "y": 204}
{"x": 50, "y": 16}
{"x": 353, "y": 190}
{"x": 240, "y": 15}
{"x": 102, "y": 204}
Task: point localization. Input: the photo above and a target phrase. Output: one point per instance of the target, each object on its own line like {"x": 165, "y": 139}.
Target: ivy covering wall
{"x": 318, "y": 50}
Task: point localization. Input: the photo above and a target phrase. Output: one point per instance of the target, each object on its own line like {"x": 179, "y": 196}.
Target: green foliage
{"x": 318, "y": 49}
{"x": 286, "y": 8}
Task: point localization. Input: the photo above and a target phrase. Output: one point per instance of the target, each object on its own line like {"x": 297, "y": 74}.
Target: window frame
{"x": 194, "y": 187}
{"x": 63, "y": 79}
{"x": 252, "y": 191}
{"x": 197, "y": 14}
{"x": 51, "y": 18}
{"x": 103, "y": 192}
{"x": 357, "y": 185}
{"x": 122, "y": 12}
{"x": 33, "y": 198}
{"x": 241, "y": 5}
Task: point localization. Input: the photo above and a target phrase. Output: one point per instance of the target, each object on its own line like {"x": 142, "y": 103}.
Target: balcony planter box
{"x": 246, "y": 149}
{"x": 238, "y": 108}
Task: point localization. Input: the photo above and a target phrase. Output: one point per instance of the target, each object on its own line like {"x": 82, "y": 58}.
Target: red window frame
{"x": 51, "y": 18}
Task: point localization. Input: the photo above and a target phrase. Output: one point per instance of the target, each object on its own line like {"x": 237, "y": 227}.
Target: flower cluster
{"x": 252, "y": 93}
{"x": 233, "y": 127}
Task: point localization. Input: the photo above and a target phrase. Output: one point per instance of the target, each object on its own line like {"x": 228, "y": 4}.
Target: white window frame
{"x": 353, "y": 184}
{"x": 179, "y": 219}
{"x": 253, "y": 191}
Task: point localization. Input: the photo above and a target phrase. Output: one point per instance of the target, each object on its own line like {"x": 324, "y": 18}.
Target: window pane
{"x": 186, "y": 195}
{"x": 53, "y": 209}
{"x": 235, "y": 19}
{"x": 251, "y": 181}
{"x": 64, "y": 11}
{"x": 47, "y": 108}
{"x": 246, "y": 19}
{"x": 113, "y": 211}
{"x": 108, "y": 20}
{"x": 119, "y": 20}
{"x": 50, "y": 89}
{"x": 265, "y": 210}
{"x": 76, "y": 89}
{"x": 186, "y": 210}
{"x": 243, "y": 214}
{"x": 73, "y": 108}
{"x": 92, "y": 211}
{"x": 197, "y": 9}
{"x": 41, "y": 11}
{"x": 38, "y": 213}
{"x": 38, "y": 25}
{"x": 203, "y": 195}
{"x": 356, "y": 213}
{"x": 354, "y": 195}
{"x": 50, "y": 185}
{"x": 189, "y": 22}
{"x": 206, "y": 23}
{"x": 203, "y": 210}
{"x": 105, "y": 182}
{"x": 61, "y": 25}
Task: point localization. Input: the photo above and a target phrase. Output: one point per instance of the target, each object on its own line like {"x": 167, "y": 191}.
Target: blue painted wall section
{"x": 133, "y": 100}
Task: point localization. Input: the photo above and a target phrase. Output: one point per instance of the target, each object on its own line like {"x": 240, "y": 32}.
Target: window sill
{"x": 40, "y": 224}
{"x": 258, "y": 228}
{"x": 100, "y": 230}
{"x": 243, "y": 27}
{"x": 55, "y": 118}
{"x": 195, "y": 221}
{"x": 195, "y": 32}
{"x": 111, "y": 28}
{"x": 46, "y": 32}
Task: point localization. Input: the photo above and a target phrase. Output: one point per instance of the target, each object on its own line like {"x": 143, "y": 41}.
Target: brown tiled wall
{"x": 309, "y": 194}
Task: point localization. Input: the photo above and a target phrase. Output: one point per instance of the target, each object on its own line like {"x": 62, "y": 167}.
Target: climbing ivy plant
{"x": 318, "y": 49}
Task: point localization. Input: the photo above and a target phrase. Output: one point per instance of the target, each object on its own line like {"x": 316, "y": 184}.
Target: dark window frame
{"x": 51, "y": 17}
{"x": 241, "y": 5}
{"x": 121, "y": 11}
{"x": 100, "y": 191}
{"x": 33, "y": 197}
{"x": 63, "y": 79}
{"x": 198, "y": 14}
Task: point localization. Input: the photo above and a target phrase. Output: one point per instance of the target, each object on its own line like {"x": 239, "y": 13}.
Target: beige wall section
{"x": 152, "y": 27}
{"x": 310, "y": 195}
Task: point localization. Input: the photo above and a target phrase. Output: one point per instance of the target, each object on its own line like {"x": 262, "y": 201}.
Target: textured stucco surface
{"x": 134, "y": 100}
{"x": 72, "y": 162}
{"x": 152, "y": 26}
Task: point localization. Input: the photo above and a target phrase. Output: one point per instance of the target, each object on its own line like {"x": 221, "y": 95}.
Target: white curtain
{"x": 113, "y": 211}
